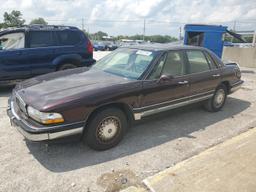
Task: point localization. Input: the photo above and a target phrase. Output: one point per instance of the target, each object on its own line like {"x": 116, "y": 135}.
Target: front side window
{"x": 174, "y": 64}
{"x": 129, "y": 63}
{"x": 12, "y": 41}
{"x": 41, "y": 39}
{"x": 197, "y": 61}
{"x": 171, "y": 64}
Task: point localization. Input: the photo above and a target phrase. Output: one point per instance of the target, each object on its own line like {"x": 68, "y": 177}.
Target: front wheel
{"x": 218, "y": 100}
{"x": 106, "y": 129}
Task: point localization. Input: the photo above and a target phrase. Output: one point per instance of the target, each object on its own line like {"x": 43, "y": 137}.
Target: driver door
{"x": 168, "y": 83}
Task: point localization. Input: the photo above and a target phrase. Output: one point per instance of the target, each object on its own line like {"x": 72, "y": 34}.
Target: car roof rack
{"x": 37, "y": 27}
{"x": 49, "y": 27}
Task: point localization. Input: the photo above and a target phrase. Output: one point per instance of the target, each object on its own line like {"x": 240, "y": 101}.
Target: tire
{"x": 100, "y": 137}
{"x": 218, "y": 100}
{"x": 67, "y": 66}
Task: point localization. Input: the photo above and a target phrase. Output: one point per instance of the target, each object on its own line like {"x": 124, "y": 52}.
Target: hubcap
{"x": 219, "y": 97}
{"x": 108, "y": 128}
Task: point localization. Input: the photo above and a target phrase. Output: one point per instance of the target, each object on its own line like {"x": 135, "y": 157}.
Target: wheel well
{"x": 227, "y": 85}
{"x": 123, "y": 107}
{"x": 74, "y": 62}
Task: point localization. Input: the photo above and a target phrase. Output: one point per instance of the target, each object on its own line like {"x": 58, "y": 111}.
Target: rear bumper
{"x": 236, "y": 86}
{"x": 88, "y": 62}
{"x": 33, "y": 133}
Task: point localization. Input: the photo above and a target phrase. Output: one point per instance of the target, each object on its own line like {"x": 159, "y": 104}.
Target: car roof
{"x": 37, "y": 28}
{"x": 163, "y": 47}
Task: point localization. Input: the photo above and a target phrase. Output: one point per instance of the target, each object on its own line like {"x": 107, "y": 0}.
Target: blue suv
{"x": 34, "y": 50}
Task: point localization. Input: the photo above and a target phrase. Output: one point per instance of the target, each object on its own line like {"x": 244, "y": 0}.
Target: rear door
{"x": 204, "y": 75}
{"x": 41, "y": 52}
{"x": 70, "y": 43}
{"x": 13, "y": 62}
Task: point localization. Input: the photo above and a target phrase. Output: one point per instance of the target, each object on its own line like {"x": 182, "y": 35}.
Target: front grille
{"x": 20, "y": 104}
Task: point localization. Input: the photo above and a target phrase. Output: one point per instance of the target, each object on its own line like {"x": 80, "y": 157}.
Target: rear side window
{"x": 197, "y": 61}
{"x": 69, "y": 37}
{"x": 41, "y": 39}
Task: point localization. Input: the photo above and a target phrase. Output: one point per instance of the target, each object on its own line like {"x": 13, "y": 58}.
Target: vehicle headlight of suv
{"x": 45, "y": 118}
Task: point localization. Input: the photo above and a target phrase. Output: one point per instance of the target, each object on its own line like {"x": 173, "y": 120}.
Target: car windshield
{"x": 129, "y": 63}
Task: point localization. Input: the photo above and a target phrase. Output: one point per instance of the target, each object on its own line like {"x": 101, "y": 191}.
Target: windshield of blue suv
{"x": 128, "y": 63}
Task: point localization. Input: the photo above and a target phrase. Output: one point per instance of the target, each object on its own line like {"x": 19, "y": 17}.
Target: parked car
{"x": 36, "y": 49}
{"x": 99, "y": 46}
{"x": 110, "y": 46}
{"x": 130, "y": 83}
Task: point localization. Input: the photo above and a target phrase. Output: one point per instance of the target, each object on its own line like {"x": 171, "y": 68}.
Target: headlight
{"x": 45, "y": 118}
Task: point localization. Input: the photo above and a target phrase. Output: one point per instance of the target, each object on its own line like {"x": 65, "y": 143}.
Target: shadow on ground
{"x": 6, "y": 91}
{"x": 148, "y": 133}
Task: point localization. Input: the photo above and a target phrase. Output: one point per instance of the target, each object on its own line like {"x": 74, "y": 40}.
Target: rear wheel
{"x": 218, "y": 100}
{"x": 106, "y": 129}
{"x": 66, "y": 66}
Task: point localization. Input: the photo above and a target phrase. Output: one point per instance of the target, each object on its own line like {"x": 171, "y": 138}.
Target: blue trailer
{"x": 208, "y": 36}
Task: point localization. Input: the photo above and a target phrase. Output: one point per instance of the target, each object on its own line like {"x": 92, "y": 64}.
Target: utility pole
{"x": 82, "y": 24}
{"x": 234, "y": 26}
{"x": 180, "y": 33}
{"x": 254, "y": 39}
{"x": 144, "y": 29}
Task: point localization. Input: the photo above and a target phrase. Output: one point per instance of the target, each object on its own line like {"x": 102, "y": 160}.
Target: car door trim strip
{"x": 138, "y": 116}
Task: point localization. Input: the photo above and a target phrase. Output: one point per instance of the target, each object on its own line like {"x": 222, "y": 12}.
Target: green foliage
{"x": 152, "y": 38}
{"x": 39, "y": 21}
{"x": 98, "y": 36}
{"x": 13, "y": 19}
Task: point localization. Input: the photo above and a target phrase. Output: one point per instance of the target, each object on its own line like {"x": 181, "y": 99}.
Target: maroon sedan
{"x": 101, "y": 102}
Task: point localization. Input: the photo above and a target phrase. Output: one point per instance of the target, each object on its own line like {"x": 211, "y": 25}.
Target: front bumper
{"x": 34, "y": 133}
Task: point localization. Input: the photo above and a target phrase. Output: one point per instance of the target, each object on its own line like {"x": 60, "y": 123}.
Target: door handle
{"x": 183, "y": 82}
{"x": 216, "y": 75}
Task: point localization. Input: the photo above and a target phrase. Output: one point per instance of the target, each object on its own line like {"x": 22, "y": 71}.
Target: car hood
{"x": 45, "y": 91}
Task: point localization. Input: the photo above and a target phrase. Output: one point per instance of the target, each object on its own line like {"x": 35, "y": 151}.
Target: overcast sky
{"x": 162, "y": 16}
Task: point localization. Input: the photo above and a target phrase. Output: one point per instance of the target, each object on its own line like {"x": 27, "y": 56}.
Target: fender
{"x": 69, "y": 58}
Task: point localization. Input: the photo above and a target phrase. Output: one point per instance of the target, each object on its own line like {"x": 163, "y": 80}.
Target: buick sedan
{"x": 101, "y": 102}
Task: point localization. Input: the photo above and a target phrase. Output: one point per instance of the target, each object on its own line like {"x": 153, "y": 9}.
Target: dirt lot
{"x": 153, "y": 144}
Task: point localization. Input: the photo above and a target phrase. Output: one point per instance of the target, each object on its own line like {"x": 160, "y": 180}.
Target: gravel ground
{"x": 152, "y": 145}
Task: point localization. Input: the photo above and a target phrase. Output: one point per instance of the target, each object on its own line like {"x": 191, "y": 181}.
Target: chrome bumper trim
{"x": 49, "y": 136}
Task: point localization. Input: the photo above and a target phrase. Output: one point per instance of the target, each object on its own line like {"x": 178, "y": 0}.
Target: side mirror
{"x": 165, "y": 78}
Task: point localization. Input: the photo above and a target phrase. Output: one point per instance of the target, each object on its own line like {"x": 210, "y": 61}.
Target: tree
{"x": 99, "y": 35}
{"x": 13, "y": 19}
{"x": 39, "y": 21}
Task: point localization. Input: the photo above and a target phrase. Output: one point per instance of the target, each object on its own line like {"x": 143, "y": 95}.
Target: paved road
{"x": 150, "y": 146}
{"x": 229, "y": 166}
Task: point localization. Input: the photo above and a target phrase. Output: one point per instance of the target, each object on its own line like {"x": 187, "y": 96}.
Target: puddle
{"x": 117, "y": 180}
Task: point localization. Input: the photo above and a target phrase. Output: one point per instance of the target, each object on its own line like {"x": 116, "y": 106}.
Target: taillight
{"x": 89, "y": 47}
